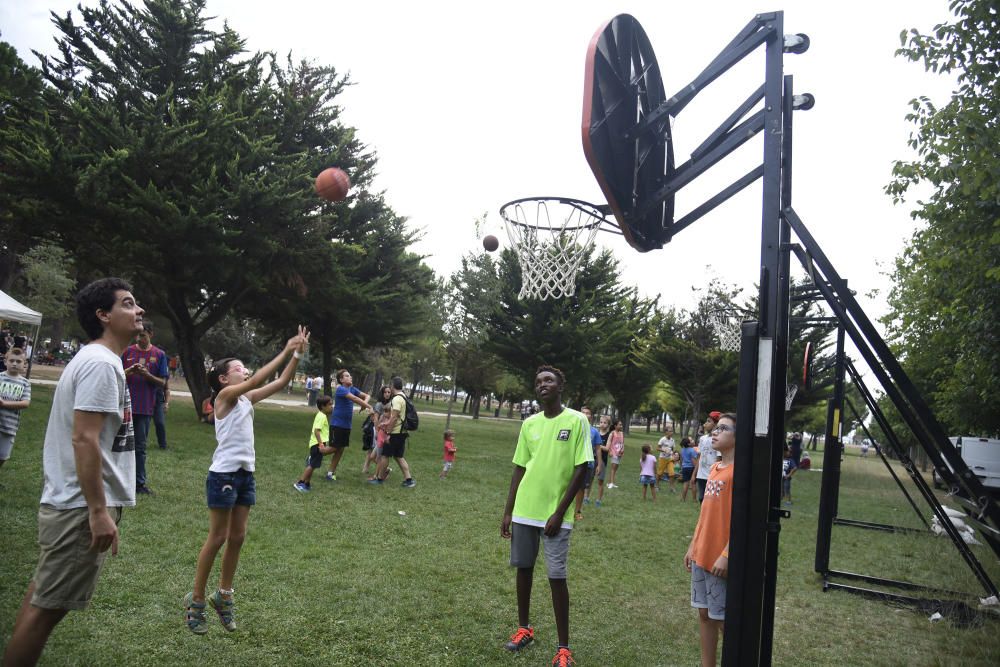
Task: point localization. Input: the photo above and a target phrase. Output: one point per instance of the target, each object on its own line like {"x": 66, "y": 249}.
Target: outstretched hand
{"x": 300, "y": 341}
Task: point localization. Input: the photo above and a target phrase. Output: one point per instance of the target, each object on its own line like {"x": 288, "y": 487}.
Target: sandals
{"x": 194, "y": 615}
{"x": 224, "y": 608}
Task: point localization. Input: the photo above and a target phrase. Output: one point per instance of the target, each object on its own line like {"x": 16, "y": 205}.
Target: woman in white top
{"x": 230, "y": 485}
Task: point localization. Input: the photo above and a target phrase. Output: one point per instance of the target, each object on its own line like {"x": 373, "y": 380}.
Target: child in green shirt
{"x": 318, "y": 443}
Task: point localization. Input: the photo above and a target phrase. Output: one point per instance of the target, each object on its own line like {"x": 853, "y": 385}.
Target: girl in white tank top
{"x": 230, "y": 486}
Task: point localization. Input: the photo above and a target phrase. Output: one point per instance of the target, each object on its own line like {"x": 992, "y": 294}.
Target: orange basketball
{"x": 332, "y": 184}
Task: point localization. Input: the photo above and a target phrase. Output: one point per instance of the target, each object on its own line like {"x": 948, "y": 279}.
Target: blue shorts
{"x": 708, "y": 592}
{"x": 226, "y": 489}
{"x": 647, "y": 479}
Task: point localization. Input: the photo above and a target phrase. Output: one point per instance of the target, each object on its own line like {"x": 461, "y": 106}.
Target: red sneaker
{"x": 520, "y": 639}
{"x": 563, "y": 658}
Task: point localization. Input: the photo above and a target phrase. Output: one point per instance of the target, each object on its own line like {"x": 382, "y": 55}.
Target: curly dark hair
{"x": 545, "y": 368}
{"x": 98, "y": 295}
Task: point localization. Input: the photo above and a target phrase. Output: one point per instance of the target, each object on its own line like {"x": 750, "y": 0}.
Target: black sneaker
{"x": 143, "y": 490}
{"x": 409, "y": 483}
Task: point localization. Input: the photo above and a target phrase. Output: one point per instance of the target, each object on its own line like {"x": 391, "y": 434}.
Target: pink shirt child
{"x": 616, "y": 443}
{"x": 449, "y": 450}
{"x": 647, "y": 466}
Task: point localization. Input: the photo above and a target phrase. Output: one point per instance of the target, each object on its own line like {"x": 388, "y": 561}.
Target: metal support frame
{"x": 898, "y": 386}
{"x": 855, "y": 323}
{"x": 881, "y": 454}
{"x": 870, "y": 525}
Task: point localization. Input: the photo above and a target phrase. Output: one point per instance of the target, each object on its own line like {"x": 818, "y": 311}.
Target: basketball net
{"x": 726, "y": 323}
{"x": 790, "y": 391}
{"x": 550, "y": 237}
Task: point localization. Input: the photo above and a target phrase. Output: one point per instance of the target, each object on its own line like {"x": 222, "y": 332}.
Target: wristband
{"x": 297, "y": 354}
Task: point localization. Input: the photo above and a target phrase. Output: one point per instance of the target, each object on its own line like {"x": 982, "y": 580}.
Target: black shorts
{"x": 315, "y": 458}
{"x": 687, "y": 474}
{"x": 340, "y": 437}
{"x": 395, "y": 446}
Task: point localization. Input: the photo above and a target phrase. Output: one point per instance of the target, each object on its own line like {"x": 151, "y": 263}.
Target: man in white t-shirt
{"x": 706, "y": 455}
{"x": 89, "y": 469}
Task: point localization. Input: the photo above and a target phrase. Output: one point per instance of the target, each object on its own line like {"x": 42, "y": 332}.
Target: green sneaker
{"x": 224, "y": 608}
{"x": 194, "y": 615}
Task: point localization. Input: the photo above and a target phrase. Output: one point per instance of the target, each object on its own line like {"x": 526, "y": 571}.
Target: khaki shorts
{"x": 67, "y": 570}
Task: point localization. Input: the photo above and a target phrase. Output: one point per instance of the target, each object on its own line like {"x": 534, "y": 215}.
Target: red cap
{"x": 714, "y": 415}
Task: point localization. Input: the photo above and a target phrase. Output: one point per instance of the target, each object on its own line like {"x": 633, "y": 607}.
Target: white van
{"x": 982, "y": 455}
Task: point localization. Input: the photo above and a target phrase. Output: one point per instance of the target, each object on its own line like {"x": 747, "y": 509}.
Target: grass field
{"x": 340, "y": 576}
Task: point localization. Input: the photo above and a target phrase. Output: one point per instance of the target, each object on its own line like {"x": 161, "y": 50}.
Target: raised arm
{"x": 295, "y": 346}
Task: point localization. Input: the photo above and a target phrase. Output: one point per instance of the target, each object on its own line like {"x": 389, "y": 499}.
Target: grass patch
{"x": 339, "y": 576}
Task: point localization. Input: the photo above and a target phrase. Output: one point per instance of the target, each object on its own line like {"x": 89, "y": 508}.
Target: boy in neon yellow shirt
{"x": 550, "y": 462}
{"x": 319, "y": 441}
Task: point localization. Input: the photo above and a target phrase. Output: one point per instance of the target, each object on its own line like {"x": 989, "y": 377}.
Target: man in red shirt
{"x": 147, "y": 373}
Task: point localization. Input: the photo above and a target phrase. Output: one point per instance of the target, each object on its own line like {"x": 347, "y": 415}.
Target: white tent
{"x": 11, "y": 309}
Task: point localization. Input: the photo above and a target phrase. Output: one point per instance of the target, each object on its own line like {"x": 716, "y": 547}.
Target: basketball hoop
{"x": 727, "y": 323}
{"x": 551, "y": 236}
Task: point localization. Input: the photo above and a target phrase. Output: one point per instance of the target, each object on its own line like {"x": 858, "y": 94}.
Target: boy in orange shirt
{"x": 707, "y": 559}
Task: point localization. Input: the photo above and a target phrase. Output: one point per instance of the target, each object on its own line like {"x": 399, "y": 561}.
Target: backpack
{"x": 368, "y": 434}
{"x": 410, "y": 420}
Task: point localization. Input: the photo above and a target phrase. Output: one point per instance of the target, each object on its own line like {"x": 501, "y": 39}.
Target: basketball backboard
{"x": 622, "y": 88}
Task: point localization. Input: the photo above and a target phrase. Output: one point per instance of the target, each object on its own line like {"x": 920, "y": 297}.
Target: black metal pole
{"x": 830, "y": 483}
{"x": 751, "y": 642}
{"x": 744, "y": 583}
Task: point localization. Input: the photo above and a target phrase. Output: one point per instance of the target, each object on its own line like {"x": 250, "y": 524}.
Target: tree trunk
{"x": 465, "y": 403}
{"x": 58, "y": 326}
{"x": 326, "y": 348}
{"x": 474, "y": 403}
{"x": 8, "y": 270}
{"x": 193, "y": 363}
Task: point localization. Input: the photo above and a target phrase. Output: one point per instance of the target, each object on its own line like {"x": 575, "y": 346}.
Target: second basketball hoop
{"x": 551, "y": 236}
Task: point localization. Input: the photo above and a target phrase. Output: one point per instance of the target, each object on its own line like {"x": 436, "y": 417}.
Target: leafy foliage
{"x": 185, "y": 163}
{"x": 945, "y": 303}
{"x": 48, "y": 283}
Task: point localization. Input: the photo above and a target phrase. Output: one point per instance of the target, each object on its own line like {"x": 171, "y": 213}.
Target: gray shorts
{"x": 708, "y": 592}
{"x": 67, "y": 570}
{"x": 6, "y": 445}
{"x": 524, "y": 548}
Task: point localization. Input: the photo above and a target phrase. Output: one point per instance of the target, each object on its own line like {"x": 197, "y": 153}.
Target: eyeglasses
{"x": 723, "y": 427}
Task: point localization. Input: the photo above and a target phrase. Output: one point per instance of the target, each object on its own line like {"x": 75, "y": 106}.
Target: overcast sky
{"x": 470, "y": 105}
